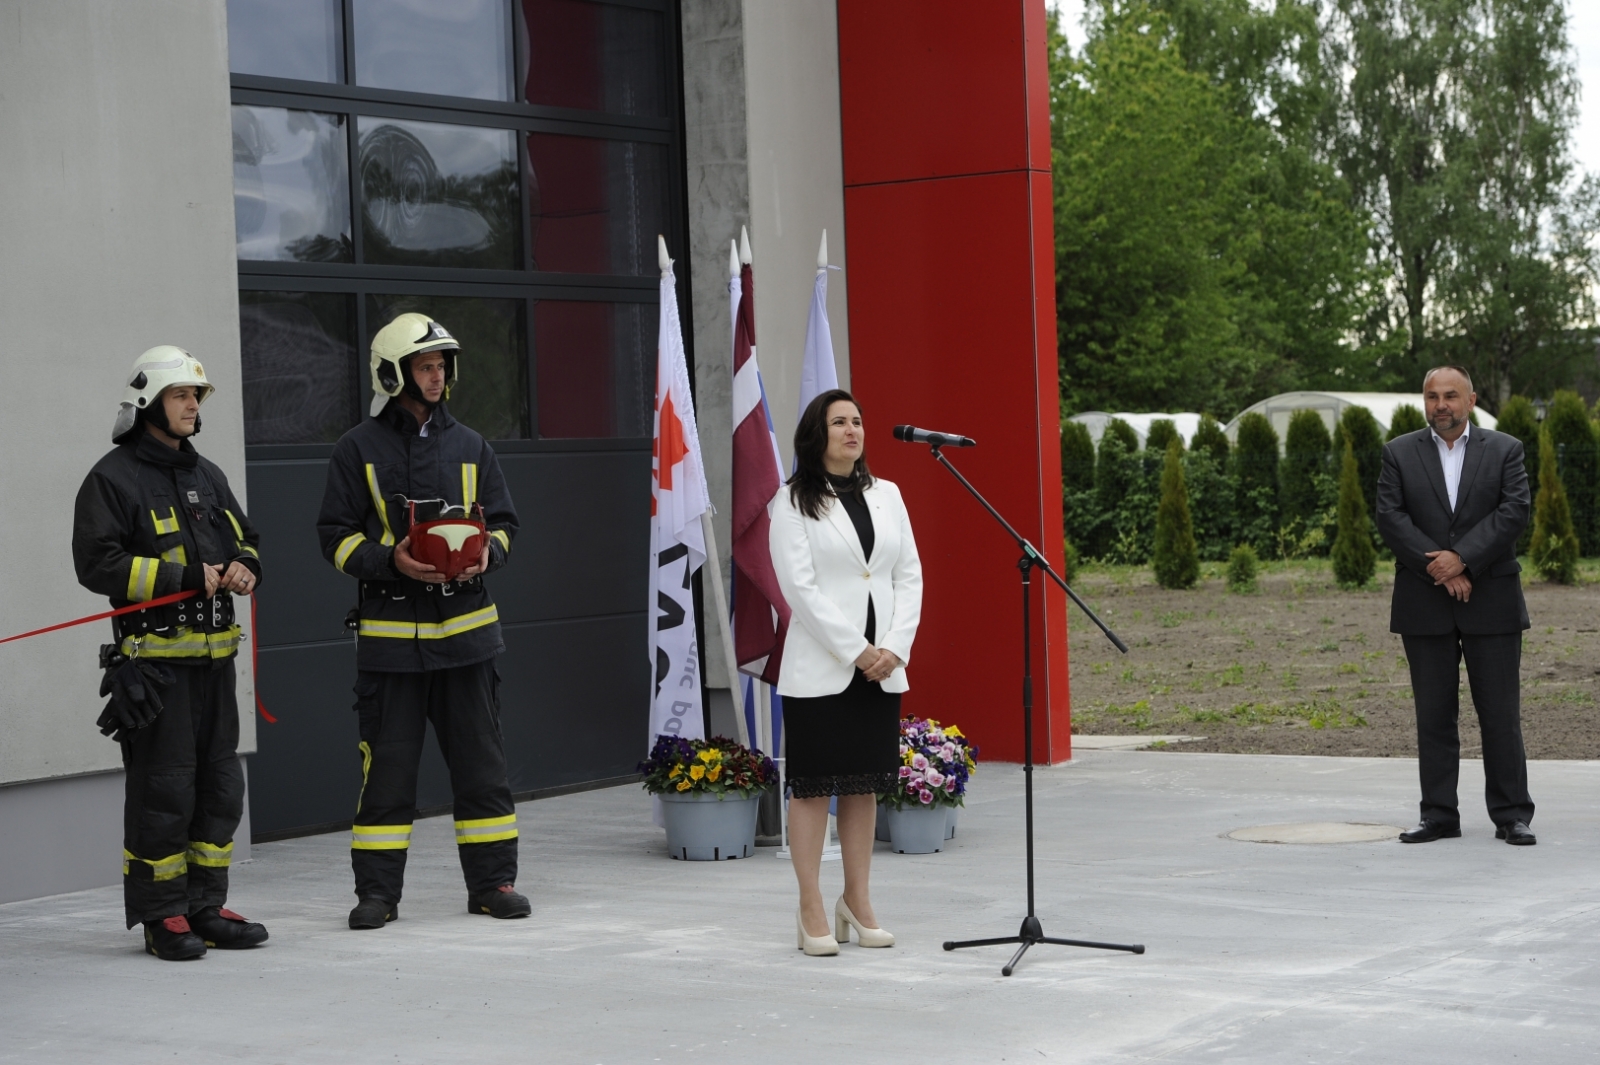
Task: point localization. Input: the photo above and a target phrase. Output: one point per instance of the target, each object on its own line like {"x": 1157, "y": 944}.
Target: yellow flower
{"x": 953, "y": 731}
{"x": 684, "y": 785}
{"x": 713, "y": 773}
{"x": 677, "y": 771}
{"x": 710, "y": 754}
{"x": 697, "y": 771}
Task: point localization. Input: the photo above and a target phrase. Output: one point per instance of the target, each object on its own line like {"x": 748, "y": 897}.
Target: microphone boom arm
{"x": 1032, "y": 553}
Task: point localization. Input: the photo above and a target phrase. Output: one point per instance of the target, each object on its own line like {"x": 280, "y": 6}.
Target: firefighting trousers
{"x": 185, "y": 795}
{"x": 393, "y": 709}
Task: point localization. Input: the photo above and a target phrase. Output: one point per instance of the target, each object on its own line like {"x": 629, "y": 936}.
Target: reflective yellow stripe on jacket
{"x": 380, "y": 837}
{"x": 469, "y": 485}
{"x": 142, "y": 578}
{"x": 377, "y": 501}
{"x": 503, "y": 539}
{"x": 346, "y": 548}
{"x": 167, "y": 525}
{"x": 173, "y": 865}
{"x": 185, "y": 643}
{"x": 487, "y": 829}
{"x": 429, "y": 630}
{"x": 238, "y": 536}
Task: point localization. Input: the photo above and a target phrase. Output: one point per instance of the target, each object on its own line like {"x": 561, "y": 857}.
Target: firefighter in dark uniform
{"x": 425, "y": 646}
{"x": 154, "y": 518}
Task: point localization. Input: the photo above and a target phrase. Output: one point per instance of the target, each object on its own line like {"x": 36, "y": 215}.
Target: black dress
{"x": 849, "y": 743}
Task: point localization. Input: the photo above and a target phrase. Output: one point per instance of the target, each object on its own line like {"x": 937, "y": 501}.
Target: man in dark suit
{"x": 1452, "y": 500}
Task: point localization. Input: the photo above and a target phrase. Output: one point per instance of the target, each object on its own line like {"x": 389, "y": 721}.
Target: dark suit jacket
{"x": 1414, "y": 517}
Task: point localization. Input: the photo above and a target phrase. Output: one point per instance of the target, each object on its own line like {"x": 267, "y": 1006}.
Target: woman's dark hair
{"x": 809, "y": 488}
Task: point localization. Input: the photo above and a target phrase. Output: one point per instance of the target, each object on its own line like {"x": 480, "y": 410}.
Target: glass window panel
{"x": 596, "y": 205}
{"x": 291, "y": 185}
{"x": 299, "y": 360}
{"x": 301, "y": 39}
{"x": 596, "y": 366}
{"x": 491, "y": 391}
{"x": 459, "y": 48}
{"x": 437, "y": 195}
{"x": 599, "y": 57}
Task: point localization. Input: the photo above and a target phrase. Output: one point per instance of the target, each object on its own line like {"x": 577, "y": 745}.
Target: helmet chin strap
{"x": 156, "y": 415}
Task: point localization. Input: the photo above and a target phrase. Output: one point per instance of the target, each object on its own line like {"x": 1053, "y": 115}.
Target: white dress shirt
{"x": 1453, "y": 458}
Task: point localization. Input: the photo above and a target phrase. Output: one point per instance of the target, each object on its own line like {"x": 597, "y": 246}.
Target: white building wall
{"x": 763, "y": 147}
{"x": 117, "y": 224}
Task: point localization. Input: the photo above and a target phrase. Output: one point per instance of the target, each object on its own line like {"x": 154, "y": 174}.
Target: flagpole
{"x": 720, "y": 595}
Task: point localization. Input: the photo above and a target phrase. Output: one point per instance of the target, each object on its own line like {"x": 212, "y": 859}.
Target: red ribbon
{"x": 255, "y": 673}
{"x": 163, "y": 601}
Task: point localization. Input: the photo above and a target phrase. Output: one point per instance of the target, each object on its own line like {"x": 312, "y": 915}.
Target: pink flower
{"x": 950, "y": 785}
{"x": 919, "y": 762}
{"x": 934, "y": 779}
{"x": 925, "y": 796}
{"x": 948, "y": 751}
{"x": 905, "y": 771}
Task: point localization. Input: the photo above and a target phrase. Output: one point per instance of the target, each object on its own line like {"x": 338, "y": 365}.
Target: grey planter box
{"x": 918, "y": 831}
{"x": 710, "y": 828}
{"x": 882, "y": 833}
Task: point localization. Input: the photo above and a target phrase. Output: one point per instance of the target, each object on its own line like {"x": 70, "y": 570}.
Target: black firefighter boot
{"x": 226, "y": 930}
{"x": 171, "y": 939}
{"x": 502, "y": 902}
{"x": 373, "y": 913}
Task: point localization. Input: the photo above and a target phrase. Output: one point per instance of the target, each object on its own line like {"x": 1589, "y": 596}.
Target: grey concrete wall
{"x": 117, "y": 224}
{"x": 761, "y": 96}
{"x": 66, "y": 835}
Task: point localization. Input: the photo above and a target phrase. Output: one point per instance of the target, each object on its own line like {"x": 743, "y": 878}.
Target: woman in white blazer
{"x": 847, "y": 563}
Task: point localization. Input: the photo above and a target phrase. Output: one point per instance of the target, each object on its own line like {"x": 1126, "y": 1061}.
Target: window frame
{"x": 358, "y": 280}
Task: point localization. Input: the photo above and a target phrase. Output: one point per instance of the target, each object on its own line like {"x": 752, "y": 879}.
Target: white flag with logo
{"x": 677, "y": 539}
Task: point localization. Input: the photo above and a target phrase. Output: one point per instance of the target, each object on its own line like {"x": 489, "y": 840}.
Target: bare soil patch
{"x": 1303, "y": 667}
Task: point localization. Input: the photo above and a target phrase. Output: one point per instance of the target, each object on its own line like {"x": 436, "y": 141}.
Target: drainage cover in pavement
{"x": 1316, "y": 832}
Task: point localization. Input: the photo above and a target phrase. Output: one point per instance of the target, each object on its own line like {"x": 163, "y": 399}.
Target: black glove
{"x": 135, "y": 689}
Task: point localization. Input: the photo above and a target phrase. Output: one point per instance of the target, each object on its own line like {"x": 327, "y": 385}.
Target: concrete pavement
{"x": 1458, "y": 951}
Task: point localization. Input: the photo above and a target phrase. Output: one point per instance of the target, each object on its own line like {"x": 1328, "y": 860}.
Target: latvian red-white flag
{"x": 677, "y": 539}
{"x": 761, "y": 617}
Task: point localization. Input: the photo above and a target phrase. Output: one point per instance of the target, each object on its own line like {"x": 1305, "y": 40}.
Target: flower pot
{"x": 882, "y": 832}
{"x": 919, "y": 830}
{"x": 702, "y": 827}
{"x": 950, "y": 825}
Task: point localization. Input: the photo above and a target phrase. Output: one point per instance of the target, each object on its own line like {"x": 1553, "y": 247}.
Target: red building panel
{"x": 952, "y": 326}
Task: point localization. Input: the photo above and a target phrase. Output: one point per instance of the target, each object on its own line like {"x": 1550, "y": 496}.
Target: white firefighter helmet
{"x": 160, "y": 368}
{"x": 409, "y": 334}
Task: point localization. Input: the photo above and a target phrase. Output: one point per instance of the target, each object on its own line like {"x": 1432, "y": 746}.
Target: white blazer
{"x": 826, "y": 581}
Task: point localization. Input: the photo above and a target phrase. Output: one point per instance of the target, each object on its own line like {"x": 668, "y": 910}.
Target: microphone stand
{"x": 1031, "y": 931}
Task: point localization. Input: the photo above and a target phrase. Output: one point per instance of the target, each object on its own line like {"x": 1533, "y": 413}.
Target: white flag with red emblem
{"x": 677, "y": 538}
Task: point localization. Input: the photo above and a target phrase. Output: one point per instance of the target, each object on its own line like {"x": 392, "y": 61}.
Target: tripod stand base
{"x": 1032, "y": 932}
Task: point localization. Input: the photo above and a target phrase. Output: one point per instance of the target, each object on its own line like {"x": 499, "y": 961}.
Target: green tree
{"x": 1554, "y": 549}
{"x": 1405, "y": 419}
{"x": 1304, "y": 471}
{"x": 1163, "y": 431}
{"x": 1454, "y": 132}
{"x": 1118, "y": 484}
{"x": 1213, "y": 497}
{"x": 1358, "y": 426}
{"x": 1354, "y": 557}
{"x": 1201, "y": 261}
{"x": 1518, "y": 419}
{"x": 1077, "y": 456}
{"x": 1255, "y": 460}
{"x": 1177, "y": 561}
{"x": 1572, "y": 437}
{"x": 1124, "y": 432}
{"x": 1210, "y": 437}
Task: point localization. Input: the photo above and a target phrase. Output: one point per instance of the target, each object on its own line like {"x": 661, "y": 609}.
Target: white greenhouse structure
{"x": 1187, "y": 424}
{"x": 1331, "y": 405}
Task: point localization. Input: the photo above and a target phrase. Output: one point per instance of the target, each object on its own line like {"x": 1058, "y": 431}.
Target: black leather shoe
{"x": 1428, "y": 831}
{"x": 373, "y": 913}
{"x": 502, "y": 902}
{"x": 1517, "y": 833}
{"x": 171, "y": 939}
{"x": 226, "y": 930}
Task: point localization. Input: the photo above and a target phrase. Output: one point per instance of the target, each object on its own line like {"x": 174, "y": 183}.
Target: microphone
{"x": 912, "y": 435}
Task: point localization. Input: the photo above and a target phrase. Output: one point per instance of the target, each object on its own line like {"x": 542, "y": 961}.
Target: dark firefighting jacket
{"x": 147, "y": 517}
{"x": 406, "y": 626}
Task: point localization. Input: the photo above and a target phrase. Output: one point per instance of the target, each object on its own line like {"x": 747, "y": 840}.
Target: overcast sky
{"x": 1583, "y": 29}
